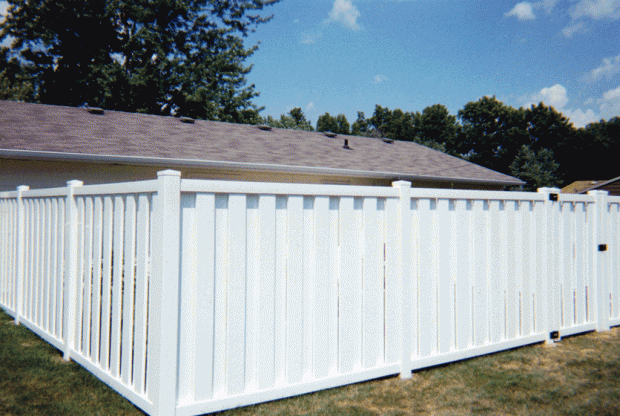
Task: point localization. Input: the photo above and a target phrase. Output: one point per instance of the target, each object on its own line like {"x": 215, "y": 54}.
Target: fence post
{"x": 163, "y": 332}
{"x": 71, "y": 262}
{"x": 404, "y": 238}
{"x": 599, "y": 259}
{"x": 551, "y": 313}
{"x": 20, "y": 252}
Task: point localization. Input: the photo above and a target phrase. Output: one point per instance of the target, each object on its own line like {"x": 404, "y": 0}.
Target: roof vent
{"x": 346, "y": 144}
{"x": 386, "y": 140}
{"x": 264, "y": 127}
{"x": 94, "y": 110}
{"x": 329, "y": 134}
{"x": 188, "y": 120}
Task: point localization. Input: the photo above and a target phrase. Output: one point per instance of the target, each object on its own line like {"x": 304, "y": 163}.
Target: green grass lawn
{"x": 578, "y": 376}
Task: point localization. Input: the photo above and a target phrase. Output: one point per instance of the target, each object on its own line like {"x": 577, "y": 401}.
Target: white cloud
{"x": 612, "y": 95}
{"x": 310, "y": 38}
{"x": 554, "y": 96}
{"x": 379, "y": 79}
{"x": 522, "y": 11}
{"x": 345, "y": 13}
{"x": 605, "y": 107}
{"x": 309, "y": 107}
{"x": 569, "y": 31}
{"x": 4, "y": 9}
{"x": 581, "y": 118}
{"x": 547, "y": 5}
{"x": 596, "y": 9}
{"x": 609, "y": 68}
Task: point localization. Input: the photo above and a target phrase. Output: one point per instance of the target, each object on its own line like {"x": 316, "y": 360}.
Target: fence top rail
{"x": 272, "y": 188}
{"x": 431, "y": 193}
{"x": 613, "y": 200}
{"x": 105, "y": 189}
{"x": 576, "y": 198}
{"x": 8, "y": 195}
{"x": 118, "y": 188}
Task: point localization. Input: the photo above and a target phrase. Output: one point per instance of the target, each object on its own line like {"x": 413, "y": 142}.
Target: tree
{"x": 295, "y": 119}
{"x": 435, "y": 126}
{"x": 492, "y": 133}
{"x": 157, "y": 56}
{"x": 598, "y": 147}
{"x": 327, "y": 123}
{"x": 549, "y": 129}
{"x": 396, "y": 125}
{"x": 361, "y": 126}
{"x": 537, "y": 168}
{"x": 338, "y": 124}
{"x": 343, "y": 124}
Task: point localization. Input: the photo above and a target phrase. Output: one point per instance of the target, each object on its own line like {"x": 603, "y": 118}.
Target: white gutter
{"x": 264, "y": 167}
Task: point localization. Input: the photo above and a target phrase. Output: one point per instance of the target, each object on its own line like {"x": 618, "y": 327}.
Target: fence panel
{"x": 8, "y": 254}
{"x": 574, "y": 245}
{"x": 480, "y": 297}
{"x": 262, "y": 311}
{"x": 613, "y": 227}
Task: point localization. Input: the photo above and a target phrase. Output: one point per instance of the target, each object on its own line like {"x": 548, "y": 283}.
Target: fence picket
{"x": 323, "y": 326}
{"x": 127, "y": 346}
{"x": 95, "y": 340}
{"x": 142, "y": 277}
{"x": 294, "y": 284}
{"x": 267, "y": 278}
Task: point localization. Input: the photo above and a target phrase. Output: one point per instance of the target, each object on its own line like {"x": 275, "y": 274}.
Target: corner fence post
{"x": 20, "y": 253}
{"x": 599, "y": 260}
{"x": 551, "y": 312}
{"x": 404, "y": 237}
{"x": 163, "y": 329}
{"x": 71, "y": 266}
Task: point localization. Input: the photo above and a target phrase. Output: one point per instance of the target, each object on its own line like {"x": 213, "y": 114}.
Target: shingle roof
{"x": 611, "y": 183}
{"x": 578, "y": 186}
{"x": 49, "y": 128}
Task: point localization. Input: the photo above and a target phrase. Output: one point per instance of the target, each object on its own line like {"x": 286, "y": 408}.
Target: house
{"x": 46, "y": 145}
{"x": 612, "y": 186}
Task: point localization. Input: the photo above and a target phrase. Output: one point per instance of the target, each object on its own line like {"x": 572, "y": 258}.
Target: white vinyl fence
{"x": 192, "y": 296}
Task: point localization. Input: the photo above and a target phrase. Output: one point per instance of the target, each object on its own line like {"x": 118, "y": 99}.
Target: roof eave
{"x": 169, "y": 162}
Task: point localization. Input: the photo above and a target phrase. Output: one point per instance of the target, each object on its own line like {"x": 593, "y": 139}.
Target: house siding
{"x": 50, "y": 174}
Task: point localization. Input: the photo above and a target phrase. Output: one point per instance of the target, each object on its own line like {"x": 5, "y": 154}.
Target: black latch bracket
{"x": 602, "y": 247}
{"x": 553, "y": 197}
{"x": 555, "y": 334}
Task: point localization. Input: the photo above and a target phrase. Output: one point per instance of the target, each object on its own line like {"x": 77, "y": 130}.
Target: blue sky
{"x": 344, "y": 56}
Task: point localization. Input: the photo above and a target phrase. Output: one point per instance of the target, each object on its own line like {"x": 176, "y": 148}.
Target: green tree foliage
{"x": 492, "y": 133}
{"x": 295, "y": 120}
{"x": 537, "y": 168}
{"x": 361, "y": 126}
{"x": 155, "y": 56}
{"x": 436, "y": 128}
{"x": 597, "y": 149}
{"x": 395, "y": 124}
{"x": 343, "y": 124}
{"x": 327, "y": 123}
{"x": 338, "y": 124}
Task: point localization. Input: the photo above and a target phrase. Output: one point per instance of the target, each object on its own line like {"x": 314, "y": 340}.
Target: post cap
{"x": 598, "y": 192}
{"x": 75, "y": 183}
{"x": 168, "y": 172}
{"x": 549, "y": 190}
{"x": 23, "y": 188}
{"x": 401, "y": 184}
